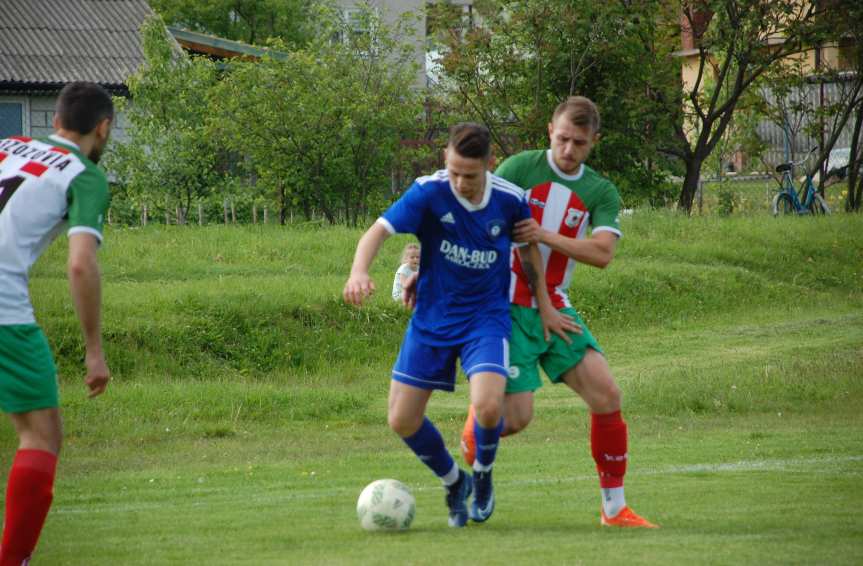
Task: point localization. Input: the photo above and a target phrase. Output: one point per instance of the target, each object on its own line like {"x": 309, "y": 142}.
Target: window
{"x": 848, "y": 54}
{"x": 11, "y": 118}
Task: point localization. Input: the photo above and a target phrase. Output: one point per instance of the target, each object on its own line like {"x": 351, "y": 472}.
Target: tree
{"x": 523, "y": 58}
{"x": 321, "y": 125}
{"x": 737, "y": 41}
{"x": 794, "y": 99}
{"x": 852, "y": 35}
{"x": 168, "y": 157}
{"x": 249, "y": 21}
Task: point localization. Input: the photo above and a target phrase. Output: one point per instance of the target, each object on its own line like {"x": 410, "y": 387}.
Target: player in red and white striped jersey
{"x": 575, "y": 222}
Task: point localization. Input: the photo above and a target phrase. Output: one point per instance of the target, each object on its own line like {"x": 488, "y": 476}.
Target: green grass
{"x": 248, "y": 408}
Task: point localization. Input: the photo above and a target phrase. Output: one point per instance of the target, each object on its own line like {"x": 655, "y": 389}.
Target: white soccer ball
{"x": 386, "y": 505}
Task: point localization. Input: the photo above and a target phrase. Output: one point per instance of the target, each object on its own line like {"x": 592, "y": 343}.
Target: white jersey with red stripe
{"x": 569, "y": 205}
{"x": 45, "y": 185}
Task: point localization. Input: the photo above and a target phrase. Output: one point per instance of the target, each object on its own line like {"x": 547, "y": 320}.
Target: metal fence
{"x": 815, "y": 94}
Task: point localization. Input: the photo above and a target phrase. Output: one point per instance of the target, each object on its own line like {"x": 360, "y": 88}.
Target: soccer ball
{"x": 386, "y": 505}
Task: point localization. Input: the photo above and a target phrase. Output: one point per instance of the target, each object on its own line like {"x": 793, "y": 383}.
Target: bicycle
{"x": 790, "y": 200}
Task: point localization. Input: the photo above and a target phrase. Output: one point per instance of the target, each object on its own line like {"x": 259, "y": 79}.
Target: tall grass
{"x": 240, "y": 306}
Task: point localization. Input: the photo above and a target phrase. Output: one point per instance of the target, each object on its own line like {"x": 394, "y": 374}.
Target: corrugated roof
{"x": 51, "y": 42}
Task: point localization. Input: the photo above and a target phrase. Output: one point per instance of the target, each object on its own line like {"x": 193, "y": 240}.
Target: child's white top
{"x": 404, "y": 269}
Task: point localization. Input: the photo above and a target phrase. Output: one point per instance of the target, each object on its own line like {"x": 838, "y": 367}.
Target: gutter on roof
{"x": 48, "y": 88}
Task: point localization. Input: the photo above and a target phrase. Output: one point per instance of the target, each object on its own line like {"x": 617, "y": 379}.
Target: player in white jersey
{"x": 47, "y": 185}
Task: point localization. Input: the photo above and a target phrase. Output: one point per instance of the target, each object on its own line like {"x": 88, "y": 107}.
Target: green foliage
{"x": 727, "y": 201}
{"x": 249, "y": 21}
{"x": 314, "y": 126}
{"x": 526, "y": 57}
{"x": 168, "y": 160}
{"x": 328, "y": 140}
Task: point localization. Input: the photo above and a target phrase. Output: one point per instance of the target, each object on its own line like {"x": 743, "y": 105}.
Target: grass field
{"x": 248, "y": 406}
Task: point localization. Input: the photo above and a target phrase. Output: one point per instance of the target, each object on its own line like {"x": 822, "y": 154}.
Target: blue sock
{"x": 427, "y": 444}
{"x": 487, "y": 440}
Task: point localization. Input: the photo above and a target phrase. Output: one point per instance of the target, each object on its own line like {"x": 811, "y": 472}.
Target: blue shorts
{"x": 433, "y": 367}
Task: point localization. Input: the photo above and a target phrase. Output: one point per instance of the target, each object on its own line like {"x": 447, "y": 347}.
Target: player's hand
{"x": 98, "y": 374}
{"x": 409, "y": 291}
{"x": 527, "y": 231}
{"x": 559, "y": 323}
{"x": 358, "y": 288}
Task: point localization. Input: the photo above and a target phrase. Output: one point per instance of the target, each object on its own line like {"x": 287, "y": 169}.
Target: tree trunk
{"x": 852, "y": 201}
{"x": 690, "y": 184}
{"x": 283, "y": 205}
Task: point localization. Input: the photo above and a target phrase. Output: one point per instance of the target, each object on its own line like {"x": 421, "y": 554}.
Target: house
{"x": 45, "y": 44}
{"x": 391, "y": 10}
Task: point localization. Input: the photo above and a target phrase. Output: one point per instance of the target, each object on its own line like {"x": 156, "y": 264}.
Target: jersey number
{"x": 8, "y": 186}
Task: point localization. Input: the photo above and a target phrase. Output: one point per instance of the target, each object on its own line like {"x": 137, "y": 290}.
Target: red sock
{"x": 28, "y": 498}
{"x": 608, "y": 446}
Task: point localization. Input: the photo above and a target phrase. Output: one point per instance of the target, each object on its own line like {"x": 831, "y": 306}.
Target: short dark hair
{"x": 81, "y": 106}
{"x": 580, "y": 110}
{"x": 469, "y": 139}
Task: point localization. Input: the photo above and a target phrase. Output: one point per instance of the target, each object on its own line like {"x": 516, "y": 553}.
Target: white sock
{"x": 612, "y": 500}
{"x": 477, "y": 467}
{"x": 451, "y": 476}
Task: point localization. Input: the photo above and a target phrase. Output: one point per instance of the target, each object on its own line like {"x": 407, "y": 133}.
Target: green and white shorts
{"x": 28, "y": 377}
{"x": 528, "y": 349}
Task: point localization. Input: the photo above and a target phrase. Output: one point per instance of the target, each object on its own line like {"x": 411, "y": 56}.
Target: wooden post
{"x": 177, "y": 212}
{"x": 144, "y": 216}
{"x": 200, "y": 214}
{"x": 167, "y": 218}
{"x": 233, "y": 213}
{"x": 110, "y": 218}
{"x": 254, "y": 214}
{"x": 266, "y": 216}
{"x": 225, "y": 209}
{"x": 700, "y": 191}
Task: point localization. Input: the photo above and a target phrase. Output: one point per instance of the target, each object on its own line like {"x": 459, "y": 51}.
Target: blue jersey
{"x": 463, "y": 289}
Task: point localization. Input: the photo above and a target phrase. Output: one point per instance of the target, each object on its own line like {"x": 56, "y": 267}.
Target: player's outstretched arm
{"x": 409, "y": 291}
{"x": 552, "y": 319}
{"x": 86, "y": 288}
{"x": 598, "y": 250}
{"x": 360, "y": 284}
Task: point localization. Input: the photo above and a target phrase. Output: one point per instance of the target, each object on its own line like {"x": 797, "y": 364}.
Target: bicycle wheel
{"x": 818, "y": 205}
{"x": 782, "y": 205}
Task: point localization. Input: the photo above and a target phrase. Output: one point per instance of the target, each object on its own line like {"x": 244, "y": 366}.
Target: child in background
{"x": 410, "y": 265}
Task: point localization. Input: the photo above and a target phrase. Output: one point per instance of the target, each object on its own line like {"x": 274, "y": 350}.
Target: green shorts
{"x": 28, "y": 377}
{"x": 528, "y": 348}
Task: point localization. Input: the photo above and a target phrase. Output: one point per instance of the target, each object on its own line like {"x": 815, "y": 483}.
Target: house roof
{"x": 202, "y": 43}
{"x": 45, "y": 44}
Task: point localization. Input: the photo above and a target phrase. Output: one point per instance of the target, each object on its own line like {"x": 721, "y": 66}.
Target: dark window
{"x": 11, "y": 119}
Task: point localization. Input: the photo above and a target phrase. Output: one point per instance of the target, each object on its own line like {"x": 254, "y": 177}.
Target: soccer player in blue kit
{"x": 463, "y": 217}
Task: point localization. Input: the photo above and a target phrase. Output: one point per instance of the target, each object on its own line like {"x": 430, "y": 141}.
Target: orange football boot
{"x": 468, "y": 440}
{"x": 626, "y": 518}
